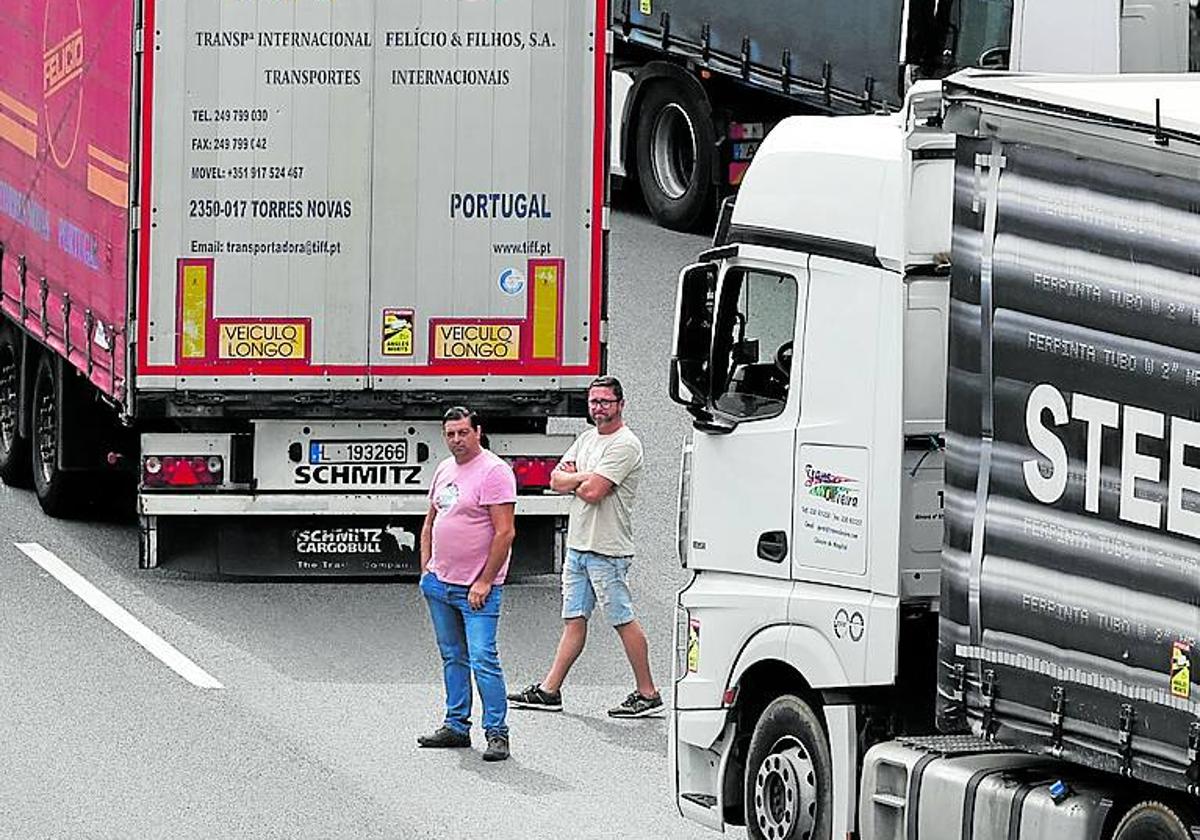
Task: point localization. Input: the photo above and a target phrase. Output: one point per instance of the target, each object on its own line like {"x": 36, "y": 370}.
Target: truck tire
{"x": 1151, "y": 821}
{"x": 675, "y": 147}
{"x": 57, "y": 491}
{"x": 14, "y": 449}
{"x": 789, "y": 774}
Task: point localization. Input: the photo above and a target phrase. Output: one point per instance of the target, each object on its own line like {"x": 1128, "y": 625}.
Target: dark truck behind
{"x": 698, "y": 83}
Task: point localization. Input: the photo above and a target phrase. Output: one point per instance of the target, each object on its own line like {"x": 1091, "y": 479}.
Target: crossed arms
{"x": 590, "y": 487}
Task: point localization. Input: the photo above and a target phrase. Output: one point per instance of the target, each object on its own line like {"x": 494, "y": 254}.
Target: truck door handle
{"x": 772, "y": 546}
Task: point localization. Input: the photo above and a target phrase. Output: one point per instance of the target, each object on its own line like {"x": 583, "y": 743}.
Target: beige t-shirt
{"x": 605, "y": 527}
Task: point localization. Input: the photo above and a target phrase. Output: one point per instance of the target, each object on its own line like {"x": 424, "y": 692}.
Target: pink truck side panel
{"x": 65, "y": 123}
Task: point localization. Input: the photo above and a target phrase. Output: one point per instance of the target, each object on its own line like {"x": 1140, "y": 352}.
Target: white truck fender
{"x": 812, "y": 654}
{"x": 803, "y": 648}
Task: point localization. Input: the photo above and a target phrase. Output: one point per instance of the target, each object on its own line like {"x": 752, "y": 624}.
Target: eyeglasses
{"x": 603, "y": 403}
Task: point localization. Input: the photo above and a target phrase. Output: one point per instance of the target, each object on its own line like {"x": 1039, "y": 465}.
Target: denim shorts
{"x": 588, "y": 577}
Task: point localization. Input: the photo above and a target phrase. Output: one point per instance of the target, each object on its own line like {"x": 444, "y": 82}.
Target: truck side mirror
{"x": 690, "y": 354}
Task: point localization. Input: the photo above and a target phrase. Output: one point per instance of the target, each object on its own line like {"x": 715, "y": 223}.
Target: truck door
{"x": 849, "y": 439}
{"x": 741, "y": 516}
{"x": 488, "y": 154}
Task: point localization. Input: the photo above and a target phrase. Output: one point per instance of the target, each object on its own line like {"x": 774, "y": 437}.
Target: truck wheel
{"x": 789, "y": 774}
{"x": 1151, "y": 821}
{"x": 14, "y": 449}
{"x": 57, "y": 491}
{"x": 676, "y": 155}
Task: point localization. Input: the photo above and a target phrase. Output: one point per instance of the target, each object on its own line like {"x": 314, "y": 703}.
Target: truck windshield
{"x": 983, "y": 33}
{"x": 752, "y": 350}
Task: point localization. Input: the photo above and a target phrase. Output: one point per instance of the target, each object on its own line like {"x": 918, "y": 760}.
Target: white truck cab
{"x": 883, "y": 515}
{"x": 829, "y": 339}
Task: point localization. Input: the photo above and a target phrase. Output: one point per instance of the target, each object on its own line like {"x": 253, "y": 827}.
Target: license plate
{"x": 358, "y": 451}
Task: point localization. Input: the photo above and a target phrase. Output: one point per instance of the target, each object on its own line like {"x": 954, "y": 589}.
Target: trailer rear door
{"x": 374, "y": 195}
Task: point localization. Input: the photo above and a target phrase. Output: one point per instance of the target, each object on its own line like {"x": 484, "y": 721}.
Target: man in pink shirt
{"x": 465, "y": 546}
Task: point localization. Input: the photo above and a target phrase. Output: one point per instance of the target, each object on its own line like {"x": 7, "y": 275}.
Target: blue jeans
{"x": 467, "y": 641}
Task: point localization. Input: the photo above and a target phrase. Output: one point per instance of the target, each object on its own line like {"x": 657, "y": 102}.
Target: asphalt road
{"x": 325, "y": 686}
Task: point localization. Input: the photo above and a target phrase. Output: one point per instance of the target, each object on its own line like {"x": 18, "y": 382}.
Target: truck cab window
{"x": 983, "y": 34}
{"x": 753, "y": 350}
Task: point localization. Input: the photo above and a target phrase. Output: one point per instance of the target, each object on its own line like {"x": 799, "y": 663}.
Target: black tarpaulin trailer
{"x": 1070, "y": 602}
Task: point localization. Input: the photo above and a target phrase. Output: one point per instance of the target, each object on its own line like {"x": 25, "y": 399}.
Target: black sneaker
{"x": 445, "y": 738}
{"x": 636, "y": 706}
{"x": 497, "y": 748}
{"x": 534, "y": 697}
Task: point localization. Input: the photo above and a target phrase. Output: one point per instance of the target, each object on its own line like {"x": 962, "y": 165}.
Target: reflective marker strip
{"x": 18, "y": 135}
{"x": 194, "y": 312}
{"x": 113, "y": 163}
{"x": 545, "y": 292}
{"x": 19, "y": 108}
{"x": 109, "y": 187}
{"x": 119, "y": 617}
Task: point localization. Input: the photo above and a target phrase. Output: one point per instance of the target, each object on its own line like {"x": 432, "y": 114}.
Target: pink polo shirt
{"x": 462, "y": 529}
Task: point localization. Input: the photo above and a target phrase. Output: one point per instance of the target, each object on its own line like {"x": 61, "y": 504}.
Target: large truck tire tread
{"x": 675, "y": 148}
{"x": 58, "y": 492}
{"x": 1152, "y": 821}
{"x": 789, "y": 774}
{"x": 14, "y": 449}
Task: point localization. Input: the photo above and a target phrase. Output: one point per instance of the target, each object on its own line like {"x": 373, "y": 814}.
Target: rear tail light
{"x": 533, "y": 473}
{"x": 183, "y": 470}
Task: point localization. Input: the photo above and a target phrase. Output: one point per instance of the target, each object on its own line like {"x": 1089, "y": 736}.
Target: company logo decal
{"x": 352, "y": 475}
{"x": 512, "y": 281}
{"x": 831, "y": 487}
{"x": 849, "y": 625}
{"x": 62, "y": 77}
{"x": 340, "y": 541}
{"x": 406, "y": 540}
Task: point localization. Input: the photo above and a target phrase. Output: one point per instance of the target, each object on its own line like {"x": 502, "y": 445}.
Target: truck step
{"x": 704, "y": 800}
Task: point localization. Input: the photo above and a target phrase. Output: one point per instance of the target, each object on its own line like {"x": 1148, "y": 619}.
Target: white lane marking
{"x": 119, "y": 616}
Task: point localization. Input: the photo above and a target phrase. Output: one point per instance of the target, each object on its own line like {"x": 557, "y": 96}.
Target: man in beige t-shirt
{"x": 601, "y": 470}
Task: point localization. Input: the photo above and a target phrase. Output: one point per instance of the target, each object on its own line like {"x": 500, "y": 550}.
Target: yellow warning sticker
{"x": 267, "y": 340}
{"x": 1181, "y": 670}
{"x": 397, "y": 332}
{"x": 475, "y": 341}
{"x": 693, "y": 646}
{"x": 646, "y": 7}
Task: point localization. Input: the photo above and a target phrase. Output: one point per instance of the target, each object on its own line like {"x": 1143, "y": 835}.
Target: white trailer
{"x": 865, "y": 553}
{"x": 330, "y": 222}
